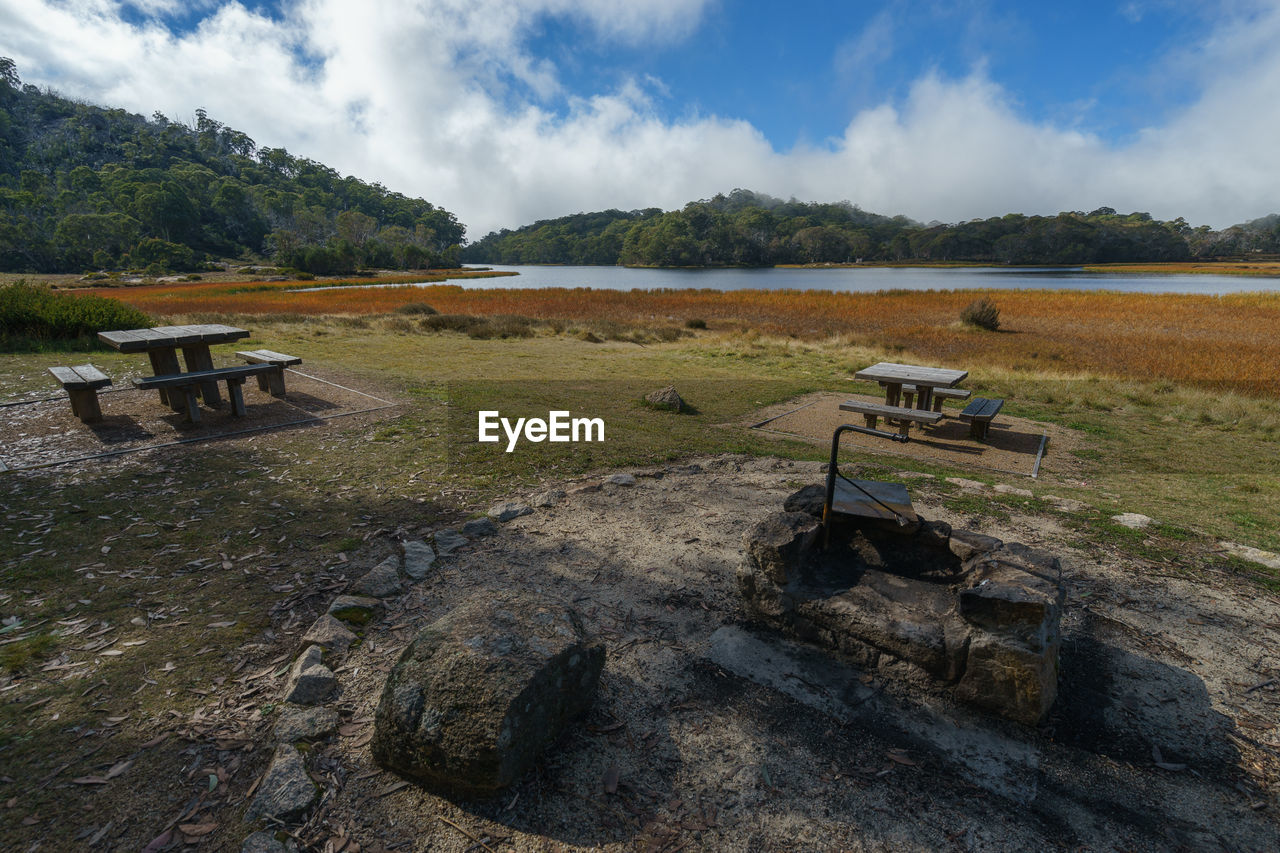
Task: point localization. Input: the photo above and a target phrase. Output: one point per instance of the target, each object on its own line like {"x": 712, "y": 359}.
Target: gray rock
{"x": 1134, "y": 520}
{"x": 621, "y": 480}
{"x": 665, "y": 398}
{"x": 262, "y": 842}
{"x": 310, "y": 681}
{"x": 778, "y": 542}
{"x": 448, "y": 540}
{"x": 1013, "y": 490}
{"x": 419, "y": 558}
{"x": 508, "y": 510}
{"x": 382, "y": 581}
{"x": 967, "y": 544}
{"x": 550, "y": 497}
{"x": 810, "y": 499}
{"x": 356, "y": 610}
{"x": 297, "y": 724}
{"x": 482, "y": 691}
{"x": 286, "y": 791}
{"x": 1065, "y": 504}
{"x": 329, "y": 633}
{"x": 478, "y": 527}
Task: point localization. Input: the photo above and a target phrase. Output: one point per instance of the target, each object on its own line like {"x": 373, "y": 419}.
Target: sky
{"x": 509, "y": 111}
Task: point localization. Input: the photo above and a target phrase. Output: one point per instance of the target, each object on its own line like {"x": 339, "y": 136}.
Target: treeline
{"x": 746, "y": 228}
{"x": 82, "y": 187}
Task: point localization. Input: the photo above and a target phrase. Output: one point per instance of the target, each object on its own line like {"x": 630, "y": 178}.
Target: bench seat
{"x": 189, "y": 383}
{"x": 979, "y": 414}
{"x": 272, "y": 382}
{"x": 901, "y": 417}
{"x": 81, "y": 384}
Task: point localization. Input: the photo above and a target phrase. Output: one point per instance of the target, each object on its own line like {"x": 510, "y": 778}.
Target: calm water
{"x": 866, "y": 279}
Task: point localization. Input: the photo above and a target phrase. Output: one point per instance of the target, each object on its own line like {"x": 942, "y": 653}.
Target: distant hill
{"x": 85, "y": 187}
{"x": 746, "y": 228}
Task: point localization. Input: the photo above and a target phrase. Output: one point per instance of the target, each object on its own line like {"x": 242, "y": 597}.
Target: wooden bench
{"x": 272, "y": 382}
{"x": 979, "y": 414}
{"x": 189, "y": 384}
{"x": 81, "y": 384}
{"x": 898, "y": 416}
{"x": 939, "y": 394}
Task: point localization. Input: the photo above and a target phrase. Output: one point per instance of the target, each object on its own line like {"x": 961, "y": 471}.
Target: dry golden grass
{"x": 1229, "y": 342}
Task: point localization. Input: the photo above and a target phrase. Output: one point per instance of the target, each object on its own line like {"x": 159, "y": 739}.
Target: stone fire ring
{"x": 965, "y": 611}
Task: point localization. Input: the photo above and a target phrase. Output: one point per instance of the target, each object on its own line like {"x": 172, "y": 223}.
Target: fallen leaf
{"x": 195, "y": 830}
{"x": 155, "y": 741}
{"x": 160, "y": 842}
{"x": 111, "y": 653}
{"x": 392, "y": 788}
{"x": 351, "y": 730}
{"x": 611, "y": 776}
{"x": 900, "y": 757}
{"x": 89, "y": 780}
{"x": 31, "y": 820}
{"x": 118, "y": 768}
{"x": 1164, "y": 765}
{"x": 221, "y": 624}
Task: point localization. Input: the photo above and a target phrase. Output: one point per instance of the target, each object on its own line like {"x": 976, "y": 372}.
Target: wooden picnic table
{"x": 894, "y": 376}
{"x": 161, "y": 344}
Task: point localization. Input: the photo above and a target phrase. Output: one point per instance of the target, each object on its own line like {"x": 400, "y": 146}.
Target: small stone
{"x": 508, "y": 510}
{"x": 973, "y": 485}
{"x": 1065, "y": 504}
{"x": 1013, "y": 490}
{"x": 448, "y": 540}
{"x": 310, "y": 681}
{"x": 621, "y": 480}
{"x": 477, "y": 527}
{"x": 286, "y": 791}
{"x": 419, "y": 557}
{"x": 382, "y": 581}
{"x": 297, "y": 724}
{"x": 262, "y": 842}
{"x": 966, "y": 543}
{"x": 665, "y": 398}
{"x": 1134, "y": 520}
{"x": 329, "y": 633}
{"x": 550, "y": 497}
{"x": 357, "y": 610}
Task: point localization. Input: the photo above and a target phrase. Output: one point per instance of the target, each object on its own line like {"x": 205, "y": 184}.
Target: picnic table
{"x": 161, "y": 344}
{"x": 925, "y": 379}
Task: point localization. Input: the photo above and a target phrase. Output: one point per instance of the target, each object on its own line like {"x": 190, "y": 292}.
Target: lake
{"x": 868, "y": 279}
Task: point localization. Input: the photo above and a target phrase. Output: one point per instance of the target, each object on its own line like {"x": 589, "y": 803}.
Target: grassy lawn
{"x": 144, "y": 596}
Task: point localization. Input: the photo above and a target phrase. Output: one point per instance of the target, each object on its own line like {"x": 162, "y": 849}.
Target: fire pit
{"x": 959, "y": 610}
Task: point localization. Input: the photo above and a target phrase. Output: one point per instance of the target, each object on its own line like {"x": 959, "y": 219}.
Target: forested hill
{"x": 751, "y": 229}
{"x": 82, "y": 187}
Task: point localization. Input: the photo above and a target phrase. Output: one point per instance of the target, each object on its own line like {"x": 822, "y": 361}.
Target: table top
{"x": 167, "y": 337}
{"x": 934, "y": 377}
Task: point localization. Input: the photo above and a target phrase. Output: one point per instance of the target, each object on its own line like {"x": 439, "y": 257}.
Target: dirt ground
{"x": 724, "y": 736}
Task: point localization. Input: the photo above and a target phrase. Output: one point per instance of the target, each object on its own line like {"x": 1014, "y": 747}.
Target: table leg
{"x": 926, "y": 398}
{"x": 892, "y": 393}
{"x": 199, "y": 358}
{"x": 164, "y": 362}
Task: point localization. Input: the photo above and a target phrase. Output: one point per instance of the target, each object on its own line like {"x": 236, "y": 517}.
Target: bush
{"x": 696, "y": 323}
{"x": 32, "y": 317}
{"x": 416, "y": 308}
{"x": 981, "y": 313}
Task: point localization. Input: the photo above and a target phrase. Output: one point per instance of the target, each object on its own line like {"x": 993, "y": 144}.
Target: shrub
{"x": 32, "y": 317}
{"x": 696, "y": 323}
{"x": 981, "y": 313}
{"x": 416, "y": 308}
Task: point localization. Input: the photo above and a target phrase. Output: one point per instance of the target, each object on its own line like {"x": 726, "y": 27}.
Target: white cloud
{"x": 453, "y": 107}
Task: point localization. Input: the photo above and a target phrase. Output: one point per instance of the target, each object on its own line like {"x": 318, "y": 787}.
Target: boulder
{"x": 508, "y": 510}
{"x": 310, "y": 681}
{"x": 297, "y": 724}
{"x": 667, "y": 399}
{"x": 483, "y": 690}
{"x": 382, "y": 581}
{"x": 620, "y": 480}
{"x": 286, "y": 791}
{"x": 357, "y": 610}
{"x": 329, "y": 633}
{"x": 419, "y": 558}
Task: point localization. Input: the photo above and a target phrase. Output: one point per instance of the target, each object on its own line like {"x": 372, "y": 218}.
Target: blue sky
{"x": 506, "y": 111}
